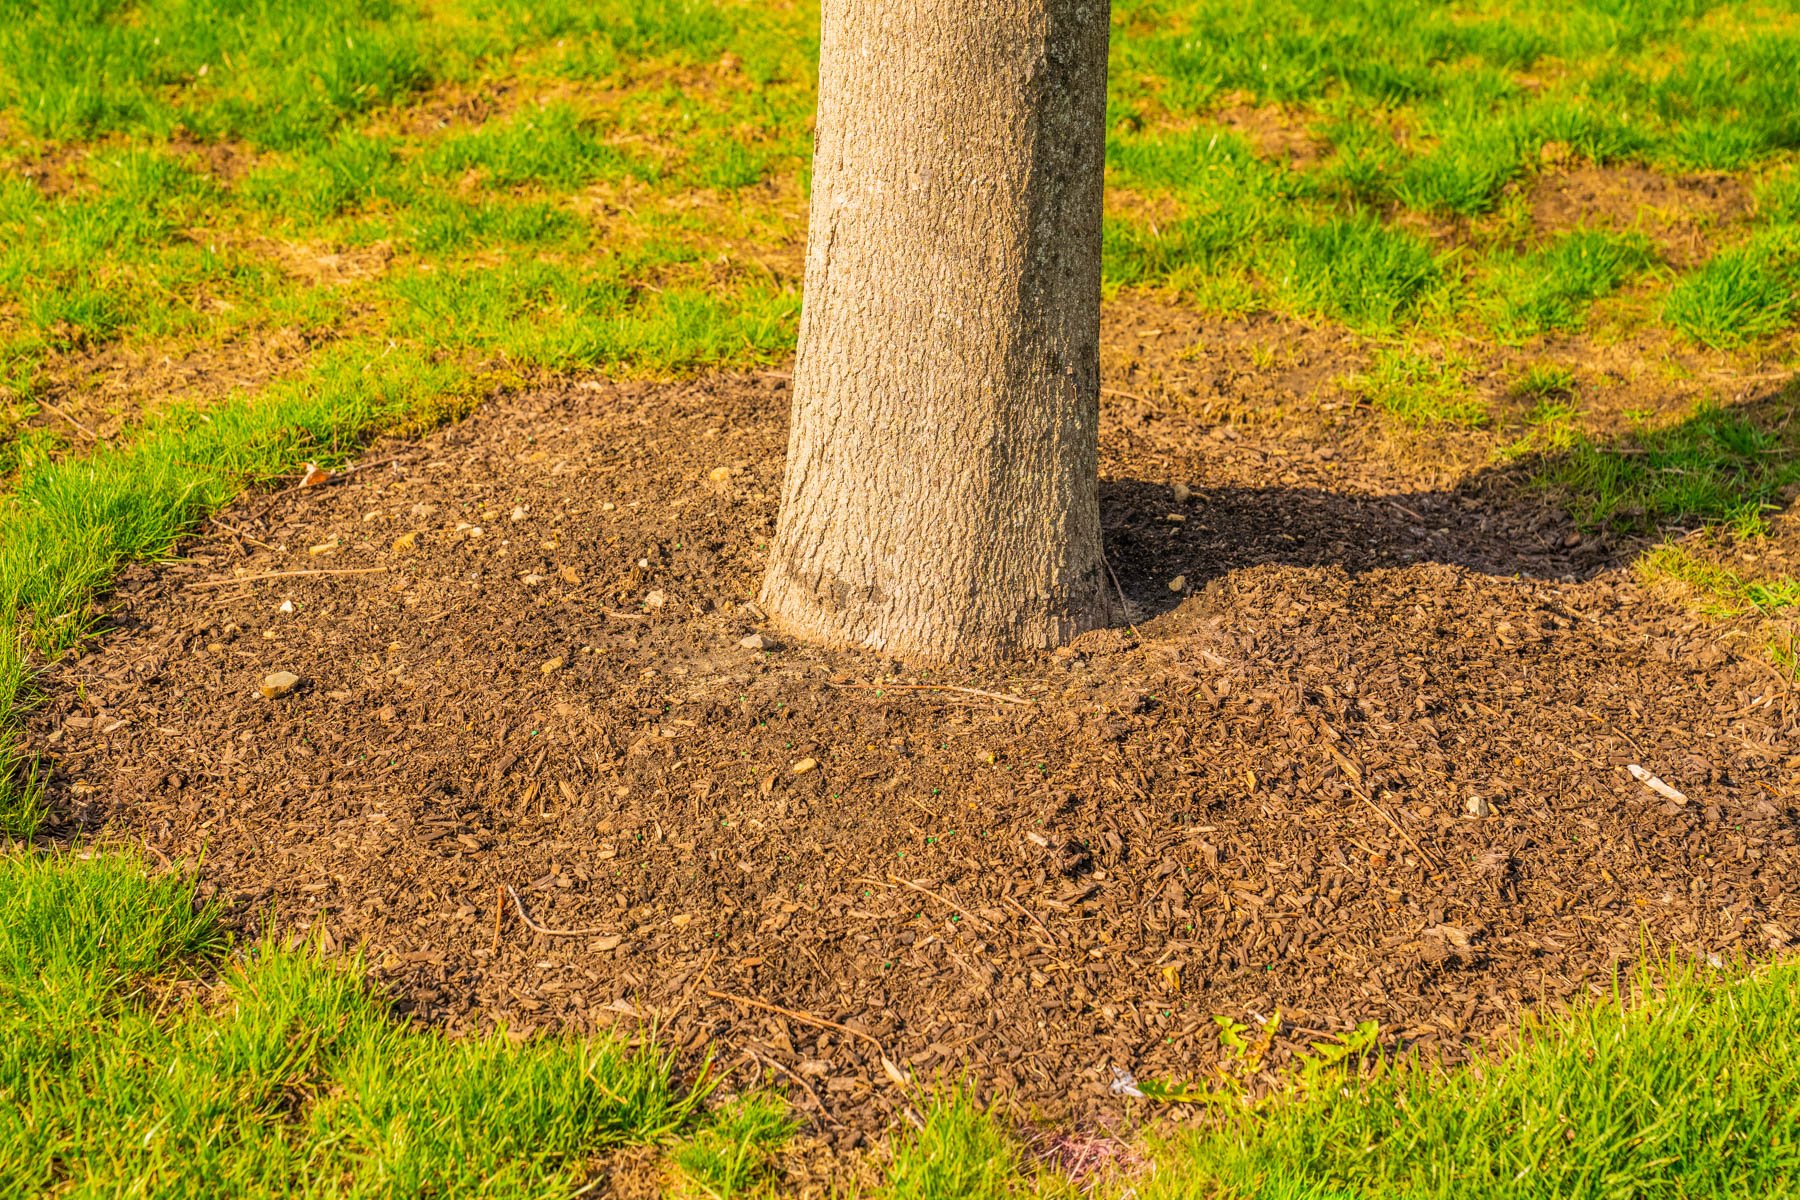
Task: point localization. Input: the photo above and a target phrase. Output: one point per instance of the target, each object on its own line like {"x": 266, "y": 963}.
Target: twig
{"x": 212, "y": 583}
{"x": 1381, "y": 812}
{"x": 1125, "y": 394}
{"x": 519, "y": 907}
{"x": 235, "y": 532}
{"x": 1124, "y": 604}
{"x": 803, "y": 1017}
{"x": 944, "y": 900}
{"x": 58, "y": 410}
{"x": 1406, "y": 512}
{"x": 1029, "y": 916}
{"x": 804, "y": 1086}
{"x": 934, "y": 687}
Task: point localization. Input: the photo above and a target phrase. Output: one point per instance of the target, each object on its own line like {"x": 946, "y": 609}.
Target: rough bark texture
{"x": 941, "y": 492}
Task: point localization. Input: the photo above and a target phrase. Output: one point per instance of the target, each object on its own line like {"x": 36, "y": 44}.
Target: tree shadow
{"x": 1499, "y": 520}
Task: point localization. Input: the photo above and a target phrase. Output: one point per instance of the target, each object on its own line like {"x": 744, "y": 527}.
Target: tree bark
{"x": 941, "y": 496}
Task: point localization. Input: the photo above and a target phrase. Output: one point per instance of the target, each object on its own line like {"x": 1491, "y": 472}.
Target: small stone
{"x": 279, "y": 684}
{"x": 609, "y": 506}
{"x": 720, "y": 476}
{"x": 1477, "y": 806}
{"x": 287, "y": 606}
{"x": 682, "y": 921}
{"x": 552, "y": 667}
{"x": 1178, "y": 584}
{"x": 1572, "y": 540}
{"x": 520, "y": 513}
{"x": 805, "y": 765}
{"x": 757, "y": 641}
{"x": 1183, "y": 493}
{"x": 655, "y": 600}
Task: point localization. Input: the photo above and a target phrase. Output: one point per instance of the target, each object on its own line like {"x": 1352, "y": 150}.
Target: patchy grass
{"x": 734, "y": 1155}
{"x": 1421, "y": 388}
{"x": 1546, "y": 383}
{"x": 1718, "y": 465}
{"x": 1548, "y": 290}
{"x": 1722, "y": 590}
{"x": 1744, "y": 293}
{"x": 140, "y": 1057}
{"x": 957, "y": 1151}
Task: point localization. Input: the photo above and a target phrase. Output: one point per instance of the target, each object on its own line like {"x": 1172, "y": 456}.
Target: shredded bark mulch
{"x": 1370, "y": 761}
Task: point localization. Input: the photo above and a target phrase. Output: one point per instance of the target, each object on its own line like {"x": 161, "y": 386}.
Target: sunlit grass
{"x": 1711, "y": 467}
{"x": 275, "y": 1073}
{"x": 1421, "y": 388}
{"x": 1678, "y": 1087}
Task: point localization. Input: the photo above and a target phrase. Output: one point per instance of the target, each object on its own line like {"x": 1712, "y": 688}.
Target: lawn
{"x": 1555, "y": 243}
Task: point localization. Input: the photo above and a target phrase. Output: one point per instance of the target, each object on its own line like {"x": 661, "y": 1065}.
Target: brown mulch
{"x": 1259, "y": 802}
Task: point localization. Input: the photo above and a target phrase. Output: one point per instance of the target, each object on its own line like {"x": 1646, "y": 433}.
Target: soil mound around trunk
{"x": 522, "y": 670}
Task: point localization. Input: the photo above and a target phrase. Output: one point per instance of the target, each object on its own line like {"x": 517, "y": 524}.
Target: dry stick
{"x": 58, "y": 410}
{"x": 945, "y": 900}
{"x": 1124, "y": 604}
{"x": 519, "y": 907}
{"x": 803, "y": 1017}
{"x": 804, "y": 1086}
{"x": 212, "y": 583}
{"x": 1125, "y": 394}
{"x": 1029, "y": 916}
{"x": 235, "y": 532}
{"x": 934, "y": 687}
{"x": 1382, "y": 813}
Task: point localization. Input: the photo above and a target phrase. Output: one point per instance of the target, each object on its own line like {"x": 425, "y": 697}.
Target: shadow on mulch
{"x": 1493, "y": 521}
{"x": 816, "y": 859}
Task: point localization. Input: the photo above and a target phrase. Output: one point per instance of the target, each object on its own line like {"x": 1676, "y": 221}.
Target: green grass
{"x": 1421, "y": 388}
{"x": 734, "y": 1155}
{"x": 1724, "y": 591}
{"x": 1713, "y": 467}
{"x": 1687, "y": 1087}
{"x": 1548, "y": 290}
{"x": 1744, "y": 293}
{"x": 957, "y": 1150}
{"x": 137, "y": 1059}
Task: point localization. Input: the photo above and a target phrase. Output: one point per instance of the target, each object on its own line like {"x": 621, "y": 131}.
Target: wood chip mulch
{"x": 1258, "y": 804}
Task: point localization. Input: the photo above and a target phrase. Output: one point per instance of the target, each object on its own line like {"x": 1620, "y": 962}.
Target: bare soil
{"x": 1257, "y": 800}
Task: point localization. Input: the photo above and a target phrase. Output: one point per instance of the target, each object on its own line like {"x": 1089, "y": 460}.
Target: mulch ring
{"x": 520, "y": 646}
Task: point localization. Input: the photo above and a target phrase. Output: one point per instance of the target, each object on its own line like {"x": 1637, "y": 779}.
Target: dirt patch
{"x": 329, "y": 265}
{"x": 1682, "y": 215}
{"x": 1275, "y": 133}
{"x": 528, "y": 674}
{"x": 94, "y": 396}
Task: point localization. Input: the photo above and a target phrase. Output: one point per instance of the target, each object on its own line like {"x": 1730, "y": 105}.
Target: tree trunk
{"x": 941, "y": 497}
